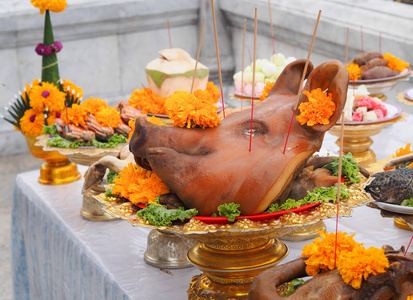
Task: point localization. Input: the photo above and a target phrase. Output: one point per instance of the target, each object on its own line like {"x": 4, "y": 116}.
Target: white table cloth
{"x": 58, "y": 255}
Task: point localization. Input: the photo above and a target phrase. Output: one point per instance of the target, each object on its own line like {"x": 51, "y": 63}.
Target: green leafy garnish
{"x": 161, "y": 216}
{"x": 320, "y": 194}
{"x": 349, "y": 167}
{"x": 407, "y": 202}
{"x": 295, "y": 283}
{"x": 111, "y": 176}
{"x": 229, "y": 210}
{"x": 108, "y": 193}
{"x": 58, "y": 141}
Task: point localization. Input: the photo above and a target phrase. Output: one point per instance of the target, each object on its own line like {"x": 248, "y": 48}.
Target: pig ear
{"x": 289, "y": 80}
{"x": 333, "y": 77}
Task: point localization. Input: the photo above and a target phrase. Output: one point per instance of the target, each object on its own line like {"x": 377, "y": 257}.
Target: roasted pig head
{"x": 213, "y": 166}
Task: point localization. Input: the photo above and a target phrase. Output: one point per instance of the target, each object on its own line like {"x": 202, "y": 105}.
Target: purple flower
{"x": 45, "y": 94}
{"x": 58, "y": 45}
{"x": 39, "y": 49}
{"x": 32, "y": 118}
{"x": 47, "y": 50}
{"x": 58, "y": 115}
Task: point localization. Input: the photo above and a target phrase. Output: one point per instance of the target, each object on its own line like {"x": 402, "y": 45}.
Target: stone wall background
{"x": 106, "y": 44}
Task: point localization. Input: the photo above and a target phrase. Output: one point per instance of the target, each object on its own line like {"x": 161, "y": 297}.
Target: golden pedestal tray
{"x": 57, "y": 168}
{"x": 231, "y": 255}
{"x": 357, "y": 138}
{"x": 91, "y": 209}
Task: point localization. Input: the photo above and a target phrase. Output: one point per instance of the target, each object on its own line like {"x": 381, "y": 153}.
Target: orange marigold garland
{"x": 147, "y": 101}
{"x": 188, "y": 111}
{"x": 267, "y": 88}
{"x": 93, "y": 105}
{"x": 318, "y": 109}
{"x": 108, "y": 117}
{"x": 75, "y": 115}
{"x": 47, "y": 95}
{"x": 210, "y": 94}
{"x": 32, "y": 122}
{"x": 395, "y": 63}
{"x": 354, "y": 71}
{"x": 52, "y": 5}
{"x": 354, "y": 262}
{"x": 139, "y": 185}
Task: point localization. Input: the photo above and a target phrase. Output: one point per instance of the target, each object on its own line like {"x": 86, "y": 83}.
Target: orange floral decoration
{"x": 72, "y": 88}
{"x": 395, "y": 63}
{"x": 75, "y": 115}
{"x": 28, "y": 88}
{"x": 188, "y": 111}
{"x": 47, "y": 95}
{"x": 354, "y": 262}
{"x": 93, "y": 105}
{"x": 354, "y": 71}
{"x": 404, "y": 151}
{"x": 52, "y": 5}
{"x": 210, "y": 94}
{"x": 147, "y": 101}
{"x": 108, "y": 117}
{"x": 32, "y": 122}
{"x": 267, "y": 88}
{"x": 318, "y": 110}
{"x": 139, "y": 185}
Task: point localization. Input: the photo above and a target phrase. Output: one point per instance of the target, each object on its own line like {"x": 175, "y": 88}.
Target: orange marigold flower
{"x": 318, "y": 109}
{"x": 147, "y": 101}
{"x": 47, "y": 95}
{"x": 404, "y": 151}
{"x": 75, "y": 115}
{"x": 32, "y": 122}
{"x": 108, "y": 117}
{"x": 267, "y": 88}
{"x": 210, "y": 94}
{"x": 69, "y": 87}
{"x": 354, "y": 71}
{"x": 28, "y": 88}
{"x": 360, "y": 263}
{"x": 353, "y": 261}
{"x": 131, "y": 124}
{"x": 52, "y": 5}
{"x": 52, "y": 117}
{"x": 156, "y": 121}
{"x": 139, "y": 185}
{"x": 93, "y": 105}
{"x": 188, "y": 111}
{"x": 395, "y": 63}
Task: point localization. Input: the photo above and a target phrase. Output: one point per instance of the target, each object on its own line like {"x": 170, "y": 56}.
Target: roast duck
{"x": 209, "y": 167}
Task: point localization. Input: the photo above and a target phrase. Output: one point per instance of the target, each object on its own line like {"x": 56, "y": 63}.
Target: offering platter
{"x": 91, "y": 209}
{"x": 357, "y": 138}
{"x": 231, "y": 255}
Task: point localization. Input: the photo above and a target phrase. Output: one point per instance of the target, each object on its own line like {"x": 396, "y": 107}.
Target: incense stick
{"x": 219, "y": 66}
{"x": 242, "y": 72}
{"x": 340, "y": 160}
{"x": 197, "y": 56}
{"x": 348, "y": 30}
{"x": 302, "y": 79}
{"x": 361, "y": 36}
{"x": 169, "y": 34}
{"x": 253, "y": 76}
{"x": 272, "y": 32}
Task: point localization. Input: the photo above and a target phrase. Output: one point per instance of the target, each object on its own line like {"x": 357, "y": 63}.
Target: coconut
{"x": 174, "y": 71}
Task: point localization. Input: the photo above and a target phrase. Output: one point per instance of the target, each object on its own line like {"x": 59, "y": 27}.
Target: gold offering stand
{"x": 357, "y": 138}
{"x": 231, "y": 255}
{"x": 91, "y": 209}
{"x": 57, "y": 168}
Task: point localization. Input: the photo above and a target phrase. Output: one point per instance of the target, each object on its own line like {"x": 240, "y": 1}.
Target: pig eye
{"x": 258, "y": 128}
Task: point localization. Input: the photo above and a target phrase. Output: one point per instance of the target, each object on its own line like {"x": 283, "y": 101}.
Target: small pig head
{"x": 213, "y": 166}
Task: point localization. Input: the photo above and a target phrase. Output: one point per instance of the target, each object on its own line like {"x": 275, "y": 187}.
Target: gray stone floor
{"x": 10, "y": 166}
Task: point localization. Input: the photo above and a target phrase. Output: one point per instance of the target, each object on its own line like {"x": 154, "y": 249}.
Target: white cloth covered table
{"x": 58, "y": 255}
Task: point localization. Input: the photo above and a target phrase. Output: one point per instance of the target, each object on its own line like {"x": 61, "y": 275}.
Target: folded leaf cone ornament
{"x": 50, "y": 68}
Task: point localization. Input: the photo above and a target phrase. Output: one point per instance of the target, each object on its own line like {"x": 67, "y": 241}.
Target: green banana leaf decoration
{"x": 50, "y": 68}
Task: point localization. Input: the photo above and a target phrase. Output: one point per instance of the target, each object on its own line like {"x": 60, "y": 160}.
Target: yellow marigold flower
{"x": 28, "y": 88}
{"x": 210, "y": 94}
{"x": 93, "y": 105}
{"x": 147, "y": 101}
{"x": 354, "y": 71}
{"x": 188, "y": 111}
{"x": 108, "y": 117}
{"x": 318, "y": 109}
{"x": 360, "y": 263}
{"x": 52, "y": 5}
{"x": 69, "y": 86}
{"x": 32, "y": 122}
{"x": 47, "y": 95}
{"x": 75, "y": 115}
{"x": 395, "y": 63}
{"x": 139, "y": 185}
{"x": 267, "y": 88}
